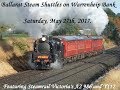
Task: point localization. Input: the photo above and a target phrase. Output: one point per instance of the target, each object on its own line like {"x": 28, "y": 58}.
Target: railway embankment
{"x": 14, "y": 53}
{"x": 110, "y": 81}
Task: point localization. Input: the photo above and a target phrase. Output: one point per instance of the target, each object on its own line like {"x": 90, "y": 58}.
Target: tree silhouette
{"x": 3, "y": 28}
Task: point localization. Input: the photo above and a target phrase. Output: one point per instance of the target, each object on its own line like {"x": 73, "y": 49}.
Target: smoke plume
{"x": 15, "y": 16}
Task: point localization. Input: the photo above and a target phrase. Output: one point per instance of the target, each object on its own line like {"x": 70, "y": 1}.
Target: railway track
{"x": 31, "y": 73}
{"x": 69, "y": 74}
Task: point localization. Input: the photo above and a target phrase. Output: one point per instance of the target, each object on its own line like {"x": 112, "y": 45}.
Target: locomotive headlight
{"x": 43, "y": 39}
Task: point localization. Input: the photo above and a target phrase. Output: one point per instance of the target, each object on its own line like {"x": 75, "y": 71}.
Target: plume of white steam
{"x": 58, "y": 64}
{"x": 45, "y": 13}
{"x": 98, "y": 17}
{"x": 16, "y": 16}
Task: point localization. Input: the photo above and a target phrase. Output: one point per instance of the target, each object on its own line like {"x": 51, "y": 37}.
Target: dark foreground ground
{"x": 74, "y": 75}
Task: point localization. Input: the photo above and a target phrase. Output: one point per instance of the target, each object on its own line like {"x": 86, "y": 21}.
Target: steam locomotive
{"x": 65, "y": 49}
